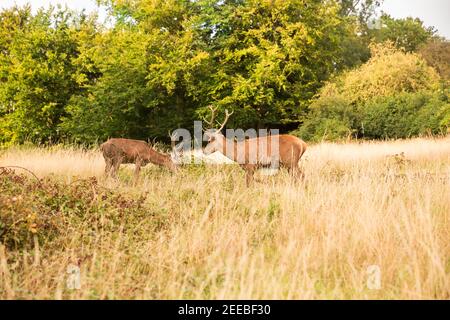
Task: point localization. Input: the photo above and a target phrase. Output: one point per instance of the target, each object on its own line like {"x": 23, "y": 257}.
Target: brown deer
{"x": 118, "y": 150}
{"x": 254, "y": 153}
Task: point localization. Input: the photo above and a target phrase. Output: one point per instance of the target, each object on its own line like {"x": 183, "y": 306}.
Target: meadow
{"x": 202, "y": 234}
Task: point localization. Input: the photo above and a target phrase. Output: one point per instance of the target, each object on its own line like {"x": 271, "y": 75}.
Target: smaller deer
{"x": 118, "y": 150}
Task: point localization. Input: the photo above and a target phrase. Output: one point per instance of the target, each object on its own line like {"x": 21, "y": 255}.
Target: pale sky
{"x": 432, "y": 12}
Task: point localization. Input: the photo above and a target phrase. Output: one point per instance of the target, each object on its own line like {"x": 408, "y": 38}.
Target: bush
{"x": 400, "y": 116}
{"x": 394, "y": 95}
{"x": 388, "y": 72}
{"x": 405, "y": 115}
{"x": 46, "y": 209}
{"x": 331, "y": 119}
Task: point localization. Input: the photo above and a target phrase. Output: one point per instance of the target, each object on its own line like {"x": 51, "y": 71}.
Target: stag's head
{"x": 216, "y": 140}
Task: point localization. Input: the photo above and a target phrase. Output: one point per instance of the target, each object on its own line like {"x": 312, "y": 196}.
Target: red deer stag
{"x": 254, "y": 153}
{"x": 118, "y": 150}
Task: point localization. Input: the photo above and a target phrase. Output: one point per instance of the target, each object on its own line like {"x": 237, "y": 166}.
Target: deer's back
{"x": 127, "y": 150}
{"x": 286, "y": 142}
{"x": 290, "y": 149}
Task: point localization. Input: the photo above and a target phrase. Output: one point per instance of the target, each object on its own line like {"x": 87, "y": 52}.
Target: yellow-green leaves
{"x": 388, "y": 72}
{"x": 394, "y": 95}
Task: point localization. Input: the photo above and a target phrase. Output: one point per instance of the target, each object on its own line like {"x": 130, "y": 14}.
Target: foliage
{"x": 388, "y": 71}
{"x": 38, "y": 76}
{"x": 362, "y": 9}
{"x": 402, "y": 115}
{"x": 163, "y": 63}
{"x": 278, "y": 55}
{"x": 97, "y": 114}
{"x": 331, "y": 119}
{"x": 46, "y": 208}
{"x": 405, "y": 115}
{"x": 436, "y": 53}
{"x": 408, "y": 34}
{"x": 394, "y": 95}
{"x": 64, "y": 77}
{"x": 264, "y": 59}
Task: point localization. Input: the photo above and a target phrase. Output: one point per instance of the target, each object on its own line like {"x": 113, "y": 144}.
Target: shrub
{"x": 388, "y": 72}
{"x": 394, "y": 95}
{"x": 45, "y": 209}
{"x": 400, "y": 116}
{"x": 331, "y": 119}
{"x": 405, "y": 115}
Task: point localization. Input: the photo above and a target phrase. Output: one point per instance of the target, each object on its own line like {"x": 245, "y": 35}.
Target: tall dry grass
{"x": 361, "y": 204}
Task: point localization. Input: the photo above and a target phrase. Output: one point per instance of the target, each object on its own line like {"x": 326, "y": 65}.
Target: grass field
{"x": 201, "y": 234}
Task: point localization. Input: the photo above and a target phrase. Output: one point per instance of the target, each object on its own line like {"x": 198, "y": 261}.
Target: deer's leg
{"x": 108, "y": 165}
{"x": 249, "y": 172}
{"x": 137, "y": 169}
{"x": 115, "y": 168}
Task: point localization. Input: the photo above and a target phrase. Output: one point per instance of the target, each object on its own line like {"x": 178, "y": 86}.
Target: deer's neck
{"x": 158, "y": 158}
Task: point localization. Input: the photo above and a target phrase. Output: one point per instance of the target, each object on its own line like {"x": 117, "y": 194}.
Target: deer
{"x": 119, "y": 150}
{"x": 255, "y": 153}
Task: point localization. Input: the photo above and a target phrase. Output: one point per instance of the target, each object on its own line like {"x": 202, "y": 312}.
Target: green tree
{"x": 63, "y": 76}
{"x": 409, "y": 33}
{"x": 263, "y": 59}
{"x": 153, "y": 66}
{"x": 38, "y": 76}
{"x": 114, "y": 104}
{"x": 355, "y": 44}
{"x": 389, "y": 71}
{"x": 272, "y": 56}
{"x": 364, "y": 10}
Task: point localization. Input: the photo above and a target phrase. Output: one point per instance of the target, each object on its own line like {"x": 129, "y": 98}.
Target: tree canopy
{"x": 64, "y": 76}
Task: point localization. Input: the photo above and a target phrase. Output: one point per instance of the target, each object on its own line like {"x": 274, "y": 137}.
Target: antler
{"x": 172, "y": 135}
{"x": 213, "y": 115}
{"x": 210, "y": 123}
{"x": 227, "y": 115}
